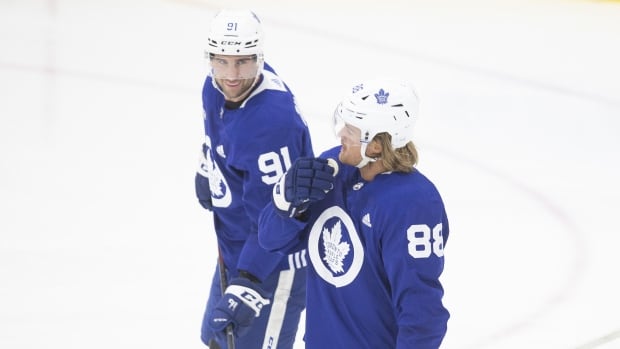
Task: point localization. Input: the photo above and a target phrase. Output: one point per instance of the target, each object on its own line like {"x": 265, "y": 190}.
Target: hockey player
{"x": 376, "y": 228}
{"x": 253, "y": 132}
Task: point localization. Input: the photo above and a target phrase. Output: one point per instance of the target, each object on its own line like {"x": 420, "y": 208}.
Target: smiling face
{"x": 235, "y": 75}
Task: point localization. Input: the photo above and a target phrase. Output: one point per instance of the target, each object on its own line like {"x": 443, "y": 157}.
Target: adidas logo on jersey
{"x": 366, "y": 220}
{"x": 277, "y": 82}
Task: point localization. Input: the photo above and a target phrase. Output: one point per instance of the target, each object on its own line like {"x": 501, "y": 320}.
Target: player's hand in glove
{"x": 203, "y": 192}
{"x": 239, "y": 306}
{"x": 307, "y": 181}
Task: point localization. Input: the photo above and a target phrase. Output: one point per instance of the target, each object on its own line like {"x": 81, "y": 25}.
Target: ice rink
{"x": 103, "y": 244}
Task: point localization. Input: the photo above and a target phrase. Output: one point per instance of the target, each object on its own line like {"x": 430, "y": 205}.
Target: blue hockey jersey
{"x": 245, "y": 151}
{"x": 377, "y": 252}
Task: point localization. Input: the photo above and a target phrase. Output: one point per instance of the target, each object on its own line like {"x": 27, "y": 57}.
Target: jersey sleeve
{"x": 201, "y": 179}
{"x": 413, "y": 258}
{"x": 277, "y": 233}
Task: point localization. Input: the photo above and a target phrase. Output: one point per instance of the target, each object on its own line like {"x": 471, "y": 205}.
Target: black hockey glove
{"x": 239, "y": 306}
{"x": 307, "y": 181}
{"x": 203, "y": 191}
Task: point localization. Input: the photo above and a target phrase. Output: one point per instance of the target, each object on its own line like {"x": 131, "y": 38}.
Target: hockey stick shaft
{"x": 230, "y": 336}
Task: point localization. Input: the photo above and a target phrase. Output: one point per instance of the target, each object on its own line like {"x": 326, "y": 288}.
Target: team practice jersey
{"x": 246, "y": 150}
{"x": 376, "y": 254}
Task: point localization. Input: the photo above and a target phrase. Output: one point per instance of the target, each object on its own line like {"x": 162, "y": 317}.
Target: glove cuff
{"x": 249, "y": 296}
{"x": 246, "y": 274}
{"x": 279, "y": 200}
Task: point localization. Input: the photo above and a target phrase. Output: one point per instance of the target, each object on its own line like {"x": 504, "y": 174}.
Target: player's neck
{"x": 372, "y": 169}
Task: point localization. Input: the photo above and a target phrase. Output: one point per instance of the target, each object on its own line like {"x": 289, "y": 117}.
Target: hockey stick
{"x": 230, "y": 336}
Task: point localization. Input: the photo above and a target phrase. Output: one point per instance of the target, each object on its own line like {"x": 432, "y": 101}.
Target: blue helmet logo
{"x": 382, "y": 97}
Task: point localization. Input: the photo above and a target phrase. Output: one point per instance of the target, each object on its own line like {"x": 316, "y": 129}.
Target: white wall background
{"x": 102, "y": 243}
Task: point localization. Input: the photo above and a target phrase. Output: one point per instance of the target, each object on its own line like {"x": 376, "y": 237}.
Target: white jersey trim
{"x": 278, "y": 308}
{"x": 270, "y": 82}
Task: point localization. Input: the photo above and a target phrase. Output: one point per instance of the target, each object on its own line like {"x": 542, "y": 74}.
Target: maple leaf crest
{"x": 335, "y": 249}
{"x": 382, "y": 96}
{"x": 214, "y": 176}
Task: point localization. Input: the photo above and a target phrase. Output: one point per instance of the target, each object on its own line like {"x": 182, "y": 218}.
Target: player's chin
{"x": 343, "y": 157}
{"x": 233, "y": 91}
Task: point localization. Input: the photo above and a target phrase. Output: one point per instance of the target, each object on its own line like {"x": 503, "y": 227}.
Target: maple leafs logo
{"x": 382, "y": 96}
{"x": 214, "y": 176}
{"x": 335, "y": 249}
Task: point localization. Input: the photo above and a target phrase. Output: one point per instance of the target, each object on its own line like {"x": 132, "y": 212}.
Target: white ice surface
{"x": 103, "y": 245}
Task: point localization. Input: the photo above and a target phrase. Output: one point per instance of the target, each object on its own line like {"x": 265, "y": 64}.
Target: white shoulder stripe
{"x": 270, "y": 82}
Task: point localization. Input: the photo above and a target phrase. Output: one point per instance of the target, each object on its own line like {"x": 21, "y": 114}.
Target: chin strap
{"x": 365, "y": 159}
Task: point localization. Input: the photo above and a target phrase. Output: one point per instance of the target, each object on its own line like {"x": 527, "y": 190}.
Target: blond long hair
{"x": 401, "y": 159}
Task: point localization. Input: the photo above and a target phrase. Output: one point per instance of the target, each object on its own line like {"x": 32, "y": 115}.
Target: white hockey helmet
{"x": 236, "y": 33}
{"x": 378, "y": 106}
